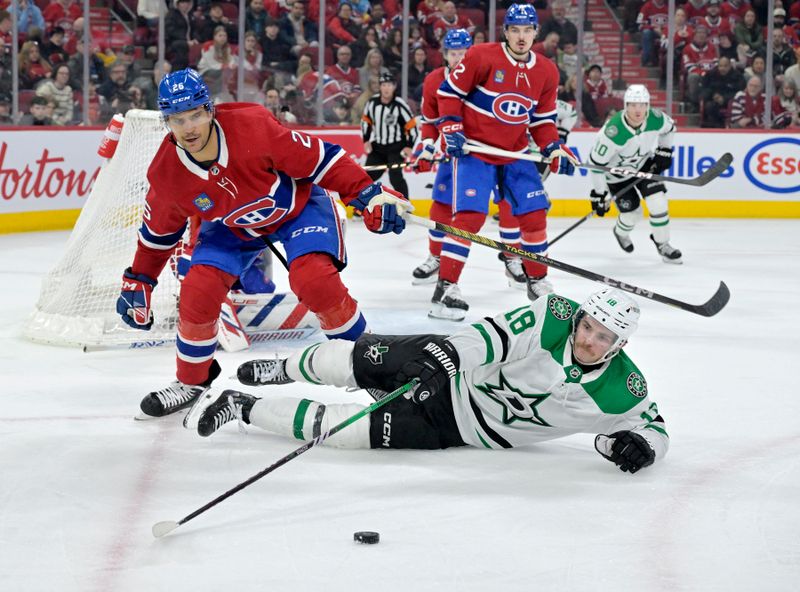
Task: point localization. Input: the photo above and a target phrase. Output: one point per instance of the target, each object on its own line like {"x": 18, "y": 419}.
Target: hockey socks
{"x": 533, "y": 227}
{"x": 455, "y": 250}
{"x": 304, "y": 419}
{"x": 330, "y": 362}
{"x": 439, "y": 213}
{"x": 318, "y": 285}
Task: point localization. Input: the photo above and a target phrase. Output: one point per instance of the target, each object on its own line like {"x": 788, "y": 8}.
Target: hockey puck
{"x": 366, "y": 537}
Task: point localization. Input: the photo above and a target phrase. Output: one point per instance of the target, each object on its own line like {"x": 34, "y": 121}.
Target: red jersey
{"x": 716, "y": 27}
{"x": 699, "y": 60}
{"x": 597, "y": 90}
{"x": 430, "y": 102}
{"x": 262, "y": 178}
{"x": 734, "y": 11}
{"x": 347, "y": 79}
{"x": 54, "y": 13}
{"x": 442, "y": 25}
{"x": 501, "y": 99}
{"x": 652, "y": 16}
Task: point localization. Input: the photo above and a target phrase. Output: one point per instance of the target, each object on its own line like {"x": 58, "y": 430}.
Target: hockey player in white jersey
{"x": 638, "y": 137}
{"x": 538, "y": 372}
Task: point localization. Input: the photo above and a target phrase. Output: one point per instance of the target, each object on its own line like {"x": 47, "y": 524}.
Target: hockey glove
{"x": 601, "y": 202}
{"x": 434, "y": 366}
{"x": 563, "y": 161}
{"x": 133, "y": 304}
{"x": 382, "y": 208}
{"x": 628, "y": 450}
{"x": 662, "y": 160}
{"x": 423, "y": 156}
{"x": 452, "y": 131}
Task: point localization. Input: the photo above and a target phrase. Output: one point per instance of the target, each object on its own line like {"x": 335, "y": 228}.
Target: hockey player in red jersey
{"x": 249, "y": 179}
{"x": 497, "y": 95}
{"x": 455, "y": 44}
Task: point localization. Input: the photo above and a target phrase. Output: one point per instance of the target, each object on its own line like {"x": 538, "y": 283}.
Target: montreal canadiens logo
{"x": 259, "y": 213}
{"x": 512, "y": 108}
{"x": 774, "y": 165}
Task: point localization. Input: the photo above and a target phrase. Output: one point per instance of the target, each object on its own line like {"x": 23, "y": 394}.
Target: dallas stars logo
{"x": 375, "y": 353}
{"x": 560, "y": 307}
{"x": 517, "y": 406}
{"x": 637, "y": 385}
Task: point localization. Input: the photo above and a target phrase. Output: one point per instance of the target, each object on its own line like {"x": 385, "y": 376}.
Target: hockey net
{"x": 77, "y": 303}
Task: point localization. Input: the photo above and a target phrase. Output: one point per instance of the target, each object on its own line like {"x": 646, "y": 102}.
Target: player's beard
{"x": 205, "y": 143}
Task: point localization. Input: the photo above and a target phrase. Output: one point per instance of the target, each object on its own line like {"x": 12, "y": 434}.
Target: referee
{"x": 389, "y": 131}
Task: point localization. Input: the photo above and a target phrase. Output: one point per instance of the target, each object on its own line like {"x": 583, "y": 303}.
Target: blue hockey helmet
{"x": 521, "y": 14}
{"x": 457, "y": 39}
{"x": 182, "y": 91}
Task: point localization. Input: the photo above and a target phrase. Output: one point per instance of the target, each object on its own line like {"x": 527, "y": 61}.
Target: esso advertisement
{"x": 774, "y": 165}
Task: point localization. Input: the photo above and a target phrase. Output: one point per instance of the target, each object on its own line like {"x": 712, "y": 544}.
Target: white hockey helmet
{"x": 616, "y": 311}
{"x": 636, "y": 93}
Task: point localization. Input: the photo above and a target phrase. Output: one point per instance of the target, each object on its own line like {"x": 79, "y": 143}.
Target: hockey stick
{"x": 709, "y": 175}
{"x": 708, "y": 309}
{"x": 165, "y": 527}
{"x": 400, "y": 165}
{"x": 570, "y": 229}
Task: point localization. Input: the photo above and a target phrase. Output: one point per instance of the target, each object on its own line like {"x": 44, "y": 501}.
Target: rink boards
{"x": 46, "y": 175}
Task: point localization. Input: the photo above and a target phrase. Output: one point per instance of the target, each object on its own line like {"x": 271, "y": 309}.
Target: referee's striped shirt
{"x": 388, "y": 124}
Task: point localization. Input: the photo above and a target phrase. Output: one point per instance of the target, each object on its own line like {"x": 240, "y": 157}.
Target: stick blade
{"x": 164, "y": 527}
{"x": 715, "y": 171}
{"x": 716, "y": 303}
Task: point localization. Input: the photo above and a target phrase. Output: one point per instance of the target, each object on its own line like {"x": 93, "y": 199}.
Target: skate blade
{"x": 142, "y": 416}
{"x": 192, "y": 417}
{"x": 424, "y": 281}
{"x": 672, "y": 261}
{"x": 439, "y": 311}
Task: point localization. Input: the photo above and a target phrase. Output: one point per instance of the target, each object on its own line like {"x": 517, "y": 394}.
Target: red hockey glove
{"x": 382, "y": 208}
{"x": 133, "y": 304}
{"x": 423, "y": 156}
{"x": 563, "y": 160}
{"x": 452, "y": 131}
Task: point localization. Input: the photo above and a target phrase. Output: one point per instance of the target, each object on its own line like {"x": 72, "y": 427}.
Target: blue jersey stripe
{"x": 160, "y": 241}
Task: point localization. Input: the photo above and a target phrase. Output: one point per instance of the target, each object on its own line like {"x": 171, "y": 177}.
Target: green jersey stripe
{"x": 650, "y": 426}
{"x": 299, "y": 418}
{"x": 488, "y": 340}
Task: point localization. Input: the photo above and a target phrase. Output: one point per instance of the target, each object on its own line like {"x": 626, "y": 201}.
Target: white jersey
{"x": 566, "y": 117}
{"x": 519, "y": 385}
{"x": 619, "y": 145}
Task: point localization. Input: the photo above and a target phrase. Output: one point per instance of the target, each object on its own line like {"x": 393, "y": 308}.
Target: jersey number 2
{"x": 302, "y": 139}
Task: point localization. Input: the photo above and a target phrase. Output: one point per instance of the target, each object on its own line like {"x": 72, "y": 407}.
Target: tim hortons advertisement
{"x": 47, "y": 170}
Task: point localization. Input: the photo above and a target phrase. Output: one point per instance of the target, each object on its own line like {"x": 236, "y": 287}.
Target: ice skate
{"x": 624, "y": 241}
{"x": 447, "y": 302}
{"x": 262, "y": 372}
{"x": 176, "y": 396}
{"x": 226, "y": 407}
{"x": 426, "y": 272}
{"x": 668, "y": 253}
{"x": 515, "y": 272}
{"x": 538, "y": 287}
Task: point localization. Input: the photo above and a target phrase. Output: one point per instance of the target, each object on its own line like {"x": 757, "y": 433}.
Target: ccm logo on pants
{"x": 308, "y": 230}
{"x": 387, "y": 429}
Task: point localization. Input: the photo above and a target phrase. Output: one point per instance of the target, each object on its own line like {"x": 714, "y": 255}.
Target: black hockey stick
{"x": 709, "y": 175}
{"x": 167, "y": 526}
{"x": 708, "y": 309}
{"x": 400, "y": 165}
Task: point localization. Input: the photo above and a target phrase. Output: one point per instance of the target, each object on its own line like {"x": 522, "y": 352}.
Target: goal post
{"x": 77, "y": 302}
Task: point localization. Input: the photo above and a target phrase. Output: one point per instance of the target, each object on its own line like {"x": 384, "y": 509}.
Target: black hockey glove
{"x": 662, "y": 160}
{"x": 628, "y": 450}
{"x": 434, "y": 366}
{"x": 601, "y": 202}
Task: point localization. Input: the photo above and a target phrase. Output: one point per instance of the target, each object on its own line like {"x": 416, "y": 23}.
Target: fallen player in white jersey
{"x": 539, "y": 372}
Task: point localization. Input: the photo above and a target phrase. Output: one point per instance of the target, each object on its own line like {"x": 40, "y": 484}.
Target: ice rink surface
{"x": 81, "y": 483}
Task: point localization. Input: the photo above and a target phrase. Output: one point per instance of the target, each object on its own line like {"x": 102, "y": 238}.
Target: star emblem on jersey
{"x": 375, "y": 353}
{"x": 517, "y": 406}
{"x": 637, "y": 385}
{"x": 560, "y": 307}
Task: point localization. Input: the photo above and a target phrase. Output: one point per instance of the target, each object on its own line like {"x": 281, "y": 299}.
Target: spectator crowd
{"x": 719, "y": 55}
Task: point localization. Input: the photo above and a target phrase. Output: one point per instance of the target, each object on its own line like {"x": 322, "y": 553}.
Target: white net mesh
{"x": 77, "y": 303}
